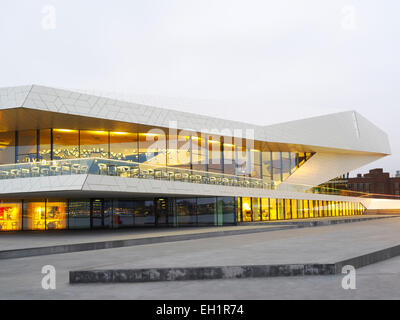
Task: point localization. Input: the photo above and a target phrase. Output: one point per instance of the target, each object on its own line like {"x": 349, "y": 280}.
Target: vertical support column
{"x": 16, "y": 146}
{"x": 51, "y": 144}
{"x": 37, "y": 144}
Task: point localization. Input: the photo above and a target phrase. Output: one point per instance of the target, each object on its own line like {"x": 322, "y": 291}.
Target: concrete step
{"x": 228, "y": 272}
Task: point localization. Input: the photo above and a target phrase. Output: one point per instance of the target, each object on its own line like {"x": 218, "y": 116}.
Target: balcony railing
{"x": 128, "y": 169}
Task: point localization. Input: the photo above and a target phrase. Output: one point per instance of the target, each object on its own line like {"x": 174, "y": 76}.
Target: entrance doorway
{"x": 98, "y": 218}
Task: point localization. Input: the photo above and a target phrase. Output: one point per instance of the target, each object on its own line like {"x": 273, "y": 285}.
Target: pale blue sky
{"x": 255, "y": 61}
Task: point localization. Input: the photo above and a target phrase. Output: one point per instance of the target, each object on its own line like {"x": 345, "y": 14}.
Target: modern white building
{"x": 70, "y": 161}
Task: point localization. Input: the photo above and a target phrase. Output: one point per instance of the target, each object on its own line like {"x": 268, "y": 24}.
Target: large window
{"x": 124, "y": 146}
{"x": 247, "y": 211}
{"x": 123, "y": 214}
{"x": 255, "y": 163}
{"x": 10, "y": 215}
{"x": 65, "y": 144}
{"x": 265, "y": 206}
{"x": 226, "y": 208}
{"x": 276, "y": 167}
{"x": 198, "y": 152}
{"x": 186, "y": 211}
{"x": 206, "y": 210}
{"x": 285, "y": 165}
{"x": 214, "y": 154}
{"x": 267, "y": 166}
{"x": 45, "y": 152}
{"x": 179, "y": 151}
{"x": 144, "y": 212}
{"x": 79, "y": 214}
{"x": 93, "y": 144}
{"x": 7, "y": 147}
{"x": 27, "y": 146}
{"x": 56, "y": 214}
{"x": 34, "y": 215}
{"x": 229, "y": 156}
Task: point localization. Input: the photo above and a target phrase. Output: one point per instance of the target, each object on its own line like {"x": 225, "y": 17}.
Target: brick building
{"x": 376, "y": 182}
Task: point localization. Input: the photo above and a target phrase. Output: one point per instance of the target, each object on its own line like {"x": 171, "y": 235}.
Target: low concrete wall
{"x": 228, "y": 272}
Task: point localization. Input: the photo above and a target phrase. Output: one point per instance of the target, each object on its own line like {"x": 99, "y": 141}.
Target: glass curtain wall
{"x": 188, "y": 150}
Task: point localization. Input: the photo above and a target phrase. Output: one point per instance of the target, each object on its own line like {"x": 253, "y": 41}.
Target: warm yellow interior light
{"x": 64, "y": 130}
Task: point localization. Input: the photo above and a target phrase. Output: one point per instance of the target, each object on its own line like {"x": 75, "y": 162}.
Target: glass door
{"x": 96, "y": 213}
{"x": 161, "y": 205}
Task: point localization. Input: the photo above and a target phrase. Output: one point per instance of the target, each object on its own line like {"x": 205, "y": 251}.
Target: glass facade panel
{"x": 227, "y": 205}
{"x": 45, "y": 152}
{"x": 247, "y": 212}
{"x": 266, "y": 166}
{"x": 199, "y": 153}
{"x": 276, "y": 167}
{"x": 123, "y": 214}
{"x": 214, "y": 154}
{"x": 94, "y": 144}
{"x": 294, "y": 209}
{"x": 7, "y": 147}
{"x": 124, "y": 146}
{"x": 65, "y": 144}
{"x": 56, "y": 214}
{"x": 273, "y": 209}
{"x": 256, "y": 209}
{"x": 288, "y": 208}
{"x": 186, "y": 211}
{"x": 229, "y": 156}
{"x": 285, "y": 165}
{"x": 206, "y": 210}
{"x": 255, "y": 160}
{"x": 34, "y": 215}
{"x": 144, "y": 212}
{"x": 280, "y": 206}
{"x": 10, "y": 215}
{"x": 27, "y": 146}
{"x": 265, "y": 209}
{"x": 79, "y": 214}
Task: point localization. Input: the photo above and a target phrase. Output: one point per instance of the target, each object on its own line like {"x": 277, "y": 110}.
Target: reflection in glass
{"x": 56, "y": 214}
{"x": 93, "y": 144}
{"x": 206, "y": 210}
{"x": 124, "y": 146}
{"x": 65, "y": 144}
{"x": 10, "y": 215}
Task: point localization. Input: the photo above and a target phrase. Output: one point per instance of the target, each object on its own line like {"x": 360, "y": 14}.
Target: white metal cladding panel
{"x": 172, "y": 188}
{"x": 345, "y": 130}
{"x": 57, "y": 100}
{"x": 322, "y": 167}
{"x": 331, "y": 131}
{"x": 13, "y": 97}
{"x": 42, "y": 184}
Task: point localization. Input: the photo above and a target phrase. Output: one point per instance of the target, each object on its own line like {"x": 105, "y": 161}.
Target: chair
{"x": 4, "y": 174}
{"x": 102, "y": 168}
{"x": 15, "y": 173}
{"x": 84, "y": 169}
{"x": 54, "y": 170}
{"x": 123, "y": 171}
{"x": 75, "y": 168}
{"x": 25, "y": 173}
{"x": 44, "y": 171}
{"x": 35, "y": 171}
{"x": 135, "y": 172}
{"x": 65, "y": 169}
{"x": 158, "y": 174}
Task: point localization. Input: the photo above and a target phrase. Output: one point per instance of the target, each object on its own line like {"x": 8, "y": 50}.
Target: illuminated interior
{"x": 10, "y": 216}
{"x": 188, "y": 150}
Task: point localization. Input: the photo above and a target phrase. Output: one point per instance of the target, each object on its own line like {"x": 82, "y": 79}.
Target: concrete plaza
{"x": 21, "y": 278}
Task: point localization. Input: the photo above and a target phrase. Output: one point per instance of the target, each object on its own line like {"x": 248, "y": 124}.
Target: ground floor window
{"x": 59, "y": 214}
